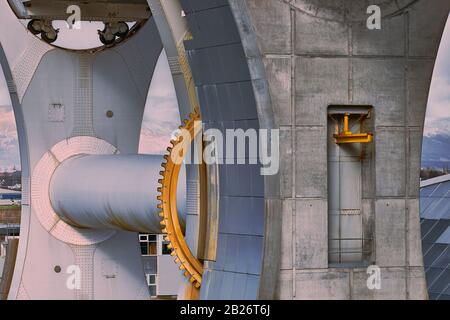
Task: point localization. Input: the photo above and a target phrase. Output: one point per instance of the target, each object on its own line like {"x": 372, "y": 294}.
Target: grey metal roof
{"x": 9, "y": 229}
{"x": 8, "y": 191}
{"x": 435, "y": 230}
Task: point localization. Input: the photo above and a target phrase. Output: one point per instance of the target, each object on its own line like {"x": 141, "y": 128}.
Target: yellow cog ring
{"x": 192, "y": 267}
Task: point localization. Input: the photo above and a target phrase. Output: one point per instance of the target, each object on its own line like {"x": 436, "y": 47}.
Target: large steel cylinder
{"x": 112, "y": 192}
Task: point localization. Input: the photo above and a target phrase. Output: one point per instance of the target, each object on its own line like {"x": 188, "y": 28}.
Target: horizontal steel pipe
{"x": 112, "y": 192}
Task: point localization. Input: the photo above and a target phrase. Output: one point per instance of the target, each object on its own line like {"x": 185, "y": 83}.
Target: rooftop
{"x": 435, "y": 229}
{"x": 8, "y": 191}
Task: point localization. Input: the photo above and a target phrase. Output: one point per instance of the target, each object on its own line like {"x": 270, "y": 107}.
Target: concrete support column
{"x": 319, "y": 53}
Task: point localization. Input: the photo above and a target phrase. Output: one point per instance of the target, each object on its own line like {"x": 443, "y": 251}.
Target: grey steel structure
{"x": 272, "y": 64}
{"x": 62, "y": 101}
{"x": 435, "y": 227}
{"x": 121, "y": 182}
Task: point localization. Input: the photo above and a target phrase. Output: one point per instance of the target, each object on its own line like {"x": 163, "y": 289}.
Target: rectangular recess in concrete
{"x": 347, "y": 239}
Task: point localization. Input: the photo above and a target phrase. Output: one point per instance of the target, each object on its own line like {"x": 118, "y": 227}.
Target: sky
{"x": 161, "y": 113}
{"x": 161, "y": 117}
{"x": 9, "y": 148}
{"x": 438, "y": 111}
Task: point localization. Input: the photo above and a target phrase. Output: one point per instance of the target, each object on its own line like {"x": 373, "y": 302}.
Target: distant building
{"x": 9, "y": 197}
{"x": 9, "y": 217}
{"x": 9, "y": 223}
{"x": 4, "y": 242}
{"x": 435, "y": 228}
{"x": 12, "y": 180}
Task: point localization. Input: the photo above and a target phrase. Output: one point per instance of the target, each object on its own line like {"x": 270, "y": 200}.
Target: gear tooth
{"x": 175, "y": 244}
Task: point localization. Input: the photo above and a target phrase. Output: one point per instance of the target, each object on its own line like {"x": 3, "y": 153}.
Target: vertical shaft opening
{"x": 350, "y": 222}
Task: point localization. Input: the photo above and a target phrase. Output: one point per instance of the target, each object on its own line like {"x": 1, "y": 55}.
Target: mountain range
{"x": 436, "y": 144}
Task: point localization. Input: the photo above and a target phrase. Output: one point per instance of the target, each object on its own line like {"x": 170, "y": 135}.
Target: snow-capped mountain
{"x": 436, "y": 144}
{"x": 437, "y": 127}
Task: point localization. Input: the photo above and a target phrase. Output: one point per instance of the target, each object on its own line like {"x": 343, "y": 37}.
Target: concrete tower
{"x": 309, "y": 62}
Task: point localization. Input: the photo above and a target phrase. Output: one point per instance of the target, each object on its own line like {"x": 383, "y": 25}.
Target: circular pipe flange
{"x": 40, "y": 185}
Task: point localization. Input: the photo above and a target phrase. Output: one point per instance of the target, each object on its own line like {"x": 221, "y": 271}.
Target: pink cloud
{"x": 4, "y": 93}
{"x": 439, "y": 100}
{"x": 438, "y": 109}
{"x": 9, "y": 148}
{"x": 161, "y": 117}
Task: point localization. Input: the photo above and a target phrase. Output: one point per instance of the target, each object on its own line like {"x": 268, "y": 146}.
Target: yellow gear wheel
{"x": 192, "y": 267}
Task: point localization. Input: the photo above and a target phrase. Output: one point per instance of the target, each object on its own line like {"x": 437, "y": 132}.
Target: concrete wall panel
{"x": 319, "y": 36}
{"x": 319, "y": 82}
{"x": 389, "y": 41}
{"x": 287, "y": 235}
{"x": 272, "y": 30}
{"x": 390, "y": 162}
{"x": 287, "y": 163}
{"x": 311, "y": 230}
{"x": 381, "y": 83}
{"x": 279, "y": 76}
{"x": 311, "y": 162}
{"x": 390, "y": 222}
{"x": 331, "y": 285}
